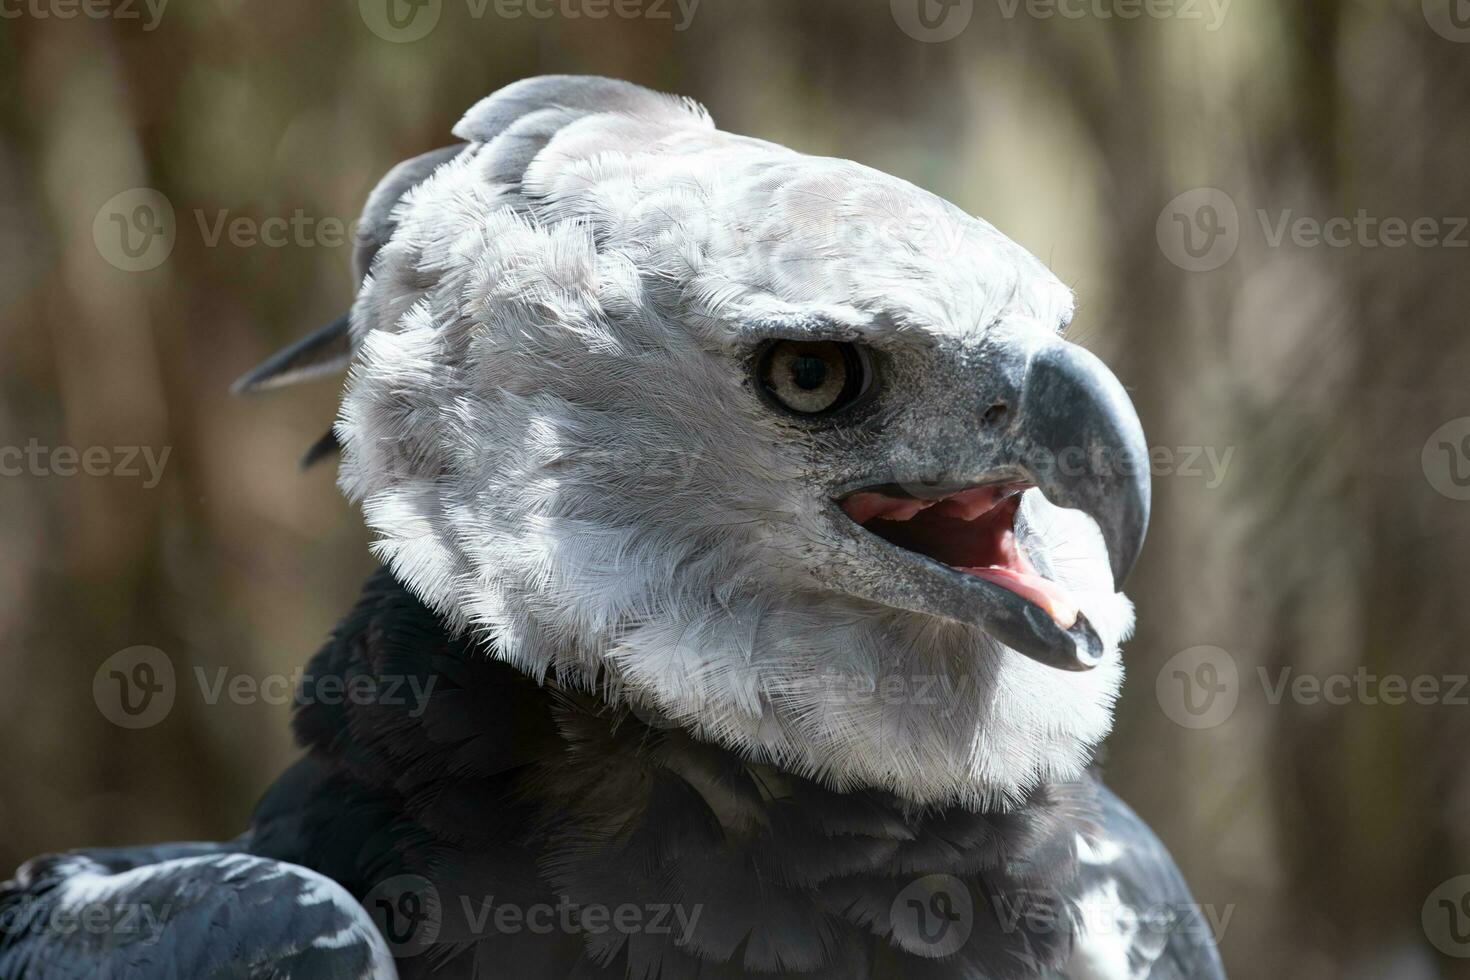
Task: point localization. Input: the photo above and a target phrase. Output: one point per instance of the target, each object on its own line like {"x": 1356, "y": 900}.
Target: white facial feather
{"x": 553, "y": 437}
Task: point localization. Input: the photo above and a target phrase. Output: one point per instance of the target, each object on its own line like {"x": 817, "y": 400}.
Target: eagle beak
{"x": 1055, "y": 420}
{"x": 1078, "y": 439}
{"x": 1084, "y": 448}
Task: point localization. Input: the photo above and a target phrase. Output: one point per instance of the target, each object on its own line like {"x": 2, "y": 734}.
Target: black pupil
{"x": 808, "y": 373}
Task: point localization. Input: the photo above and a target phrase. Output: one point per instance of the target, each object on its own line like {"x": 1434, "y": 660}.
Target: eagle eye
{"x": 813, "y": 378}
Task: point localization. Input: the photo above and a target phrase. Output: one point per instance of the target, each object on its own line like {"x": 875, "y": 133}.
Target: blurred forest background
{"x": 1331, "y": 380}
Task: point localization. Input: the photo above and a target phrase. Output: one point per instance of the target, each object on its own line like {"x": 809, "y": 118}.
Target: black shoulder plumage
{"x": 493, "y": 827}
{"x": 519, "y": 821}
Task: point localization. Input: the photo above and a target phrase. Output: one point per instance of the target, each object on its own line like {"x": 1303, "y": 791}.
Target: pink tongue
{"x": 1017, "y": 575}
{"x": 1057, "y": 601}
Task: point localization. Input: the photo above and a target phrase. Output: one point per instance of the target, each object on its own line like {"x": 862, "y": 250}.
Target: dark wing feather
{"x": 324, "y": 351}
{"x": 182, "y": 912}
{"x": 326, "y": 446}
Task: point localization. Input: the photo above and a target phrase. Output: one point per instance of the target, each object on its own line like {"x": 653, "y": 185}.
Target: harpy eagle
{"x": 754, "y": 541}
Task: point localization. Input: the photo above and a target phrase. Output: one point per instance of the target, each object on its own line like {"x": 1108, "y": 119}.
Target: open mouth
{"x": 972, "y": 530}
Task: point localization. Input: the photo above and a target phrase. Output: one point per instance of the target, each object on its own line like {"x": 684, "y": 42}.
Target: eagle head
{"x": 777, "y": 449}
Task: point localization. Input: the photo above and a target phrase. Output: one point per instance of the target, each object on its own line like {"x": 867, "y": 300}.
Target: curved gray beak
{"x": 1078, "y": 437}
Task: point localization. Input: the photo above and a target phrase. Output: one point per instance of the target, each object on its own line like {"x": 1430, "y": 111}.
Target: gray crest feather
{"x": 578, "y": 95}
{"x": 377, "y": 223}
{"x": 520, "y": 119}
{"x": 328, "y": 350}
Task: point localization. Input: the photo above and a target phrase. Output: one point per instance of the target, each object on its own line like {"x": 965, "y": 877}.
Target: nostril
{"x": 994, "y": 415}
